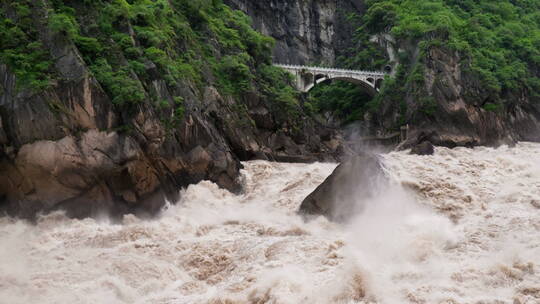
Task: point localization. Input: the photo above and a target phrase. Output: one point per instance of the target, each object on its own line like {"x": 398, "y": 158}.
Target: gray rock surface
{"x": 458, "y": 116}
{"x": 54, "y": 156}
{"x": 311, "y": 31}
{"x": 344, "y": 193}
{"x": 423, "y": 148}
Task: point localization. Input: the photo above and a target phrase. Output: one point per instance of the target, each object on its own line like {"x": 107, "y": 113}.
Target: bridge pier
{"x": 404, "y": 133}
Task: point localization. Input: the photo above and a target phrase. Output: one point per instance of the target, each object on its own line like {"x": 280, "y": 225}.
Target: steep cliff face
{"x": 453, "y": 111}
{"x": 457, "y": 79}
{"x": 451, "y": 106}
{"x": 313, "y": 31}
{"x": 73, "y": 146}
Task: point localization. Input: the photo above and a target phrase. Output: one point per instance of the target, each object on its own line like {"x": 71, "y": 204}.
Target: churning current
{"x": 462, "y": 226}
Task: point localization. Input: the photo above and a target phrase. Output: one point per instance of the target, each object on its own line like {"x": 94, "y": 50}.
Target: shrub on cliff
{"x": 20, "y": 47}
{"x": 195, "y": 41}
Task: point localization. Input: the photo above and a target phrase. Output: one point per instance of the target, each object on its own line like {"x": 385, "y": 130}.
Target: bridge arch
{"x": 366, "y": 85}
{"x": 308, "y": 77}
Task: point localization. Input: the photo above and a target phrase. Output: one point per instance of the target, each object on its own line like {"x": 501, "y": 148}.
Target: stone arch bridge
{"x": 307, "y": 77}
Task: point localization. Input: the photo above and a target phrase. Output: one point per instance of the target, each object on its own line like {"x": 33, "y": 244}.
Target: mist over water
{"x": 462, "y": 226}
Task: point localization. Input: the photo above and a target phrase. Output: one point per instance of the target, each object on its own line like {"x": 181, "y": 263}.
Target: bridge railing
{"x": 321, "y": 69}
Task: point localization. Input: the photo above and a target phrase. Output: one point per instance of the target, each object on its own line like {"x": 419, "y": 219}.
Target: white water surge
{"x": 462, "y": 226}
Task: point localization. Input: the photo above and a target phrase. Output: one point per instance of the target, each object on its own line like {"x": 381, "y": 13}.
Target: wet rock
{"x": 53, "y": 174}
{"x": 423, "y": 148}
{"x": 3, "y": 136}
{"x": 345, "y": 191}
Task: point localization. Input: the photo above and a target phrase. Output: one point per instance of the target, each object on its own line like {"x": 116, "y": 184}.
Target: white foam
{"x": 456, "y": 227}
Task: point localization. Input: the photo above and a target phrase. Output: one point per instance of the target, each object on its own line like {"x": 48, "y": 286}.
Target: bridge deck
{"x": 330, "y": 70}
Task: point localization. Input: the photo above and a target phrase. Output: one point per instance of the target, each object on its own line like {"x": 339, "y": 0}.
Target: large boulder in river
{"x": 347, "y": 190}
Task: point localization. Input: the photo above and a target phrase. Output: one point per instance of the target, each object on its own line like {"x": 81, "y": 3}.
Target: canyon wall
{"x": 306, "y": 32}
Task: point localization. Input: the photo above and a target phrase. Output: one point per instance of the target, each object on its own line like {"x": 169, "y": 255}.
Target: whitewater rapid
{"x": 462, "y": 226}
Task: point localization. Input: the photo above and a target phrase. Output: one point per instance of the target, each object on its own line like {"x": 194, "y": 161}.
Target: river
{"x": 462, "y": 226}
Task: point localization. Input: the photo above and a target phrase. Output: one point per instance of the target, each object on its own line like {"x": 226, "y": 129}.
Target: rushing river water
{"x": 462, "y": 226}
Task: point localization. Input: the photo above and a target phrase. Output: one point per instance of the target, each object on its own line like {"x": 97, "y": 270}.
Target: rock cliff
{"x": 306, "y": 32}
{"x": 73, "y": 146}
{"x": 448, "y": 108}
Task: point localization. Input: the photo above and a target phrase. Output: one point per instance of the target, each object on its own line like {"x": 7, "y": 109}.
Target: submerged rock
{"x": 423, "y": 148}
{"x": 344, "y": 192}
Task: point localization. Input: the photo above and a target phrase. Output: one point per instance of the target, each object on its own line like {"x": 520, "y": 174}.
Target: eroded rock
{"x": 345, "y": 191}
{"x": 423, "y": 148}
{"x": 50, "y": 174}
{"x": 69, "y": 147}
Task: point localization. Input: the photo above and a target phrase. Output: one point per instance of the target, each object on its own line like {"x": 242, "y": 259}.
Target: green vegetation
{"x": 234, "y": 75}
{"x": 492, "y": 107}
{"x": 20, "y": 46}
{"x": 276, "y": 84}
{"x": 501, "y": 38}
{"x": 128, "y": 44}
{"x": 498, "y": 43}
{"x": 347, "y": 100}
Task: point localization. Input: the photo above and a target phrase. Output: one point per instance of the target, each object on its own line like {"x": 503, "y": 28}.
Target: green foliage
{"x": 64, "y": 24}
{"x": 129, "y": 44}
{"x": 21, "y": 49}
{"x": 234, "y": 32}
{"x": 533, "y": 86}
{"x": 345, "y": 100}
{"x": 380, "y": 16}
{"x": 179, "y": 110}
{"x": 501, "y": 38}
{"x": 118, "y": 84}
{"x": 234, "y": 75}
{"x": 276, "y": 84}
{"x": 173, "y": 35}
{"x": 177, "y": 114}
{"x": 368, "y": 56}
{"x": 428, "y": 105}
{"x": 498, "y": 42}
{"x": 493, "y": 107}
{"x": 157, "y": 56}
{"x": 89, "y": 46}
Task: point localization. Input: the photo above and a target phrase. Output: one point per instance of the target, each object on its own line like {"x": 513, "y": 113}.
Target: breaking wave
{"x": 462, "y": 226}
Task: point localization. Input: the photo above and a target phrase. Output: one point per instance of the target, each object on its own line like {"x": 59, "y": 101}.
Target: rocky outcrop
{"x": 347, "y": 190}
{"x": 69, "y": 147}
{"x": 313, "y": 31}
{"x": 423, "y": 148}
{"x": 54, "y": 156}
{"x": 449, "y": 108}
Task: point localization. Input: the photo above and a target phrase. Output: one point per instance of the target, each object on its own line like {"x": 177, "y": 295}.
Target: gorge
{"x": 186, "y": 151}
